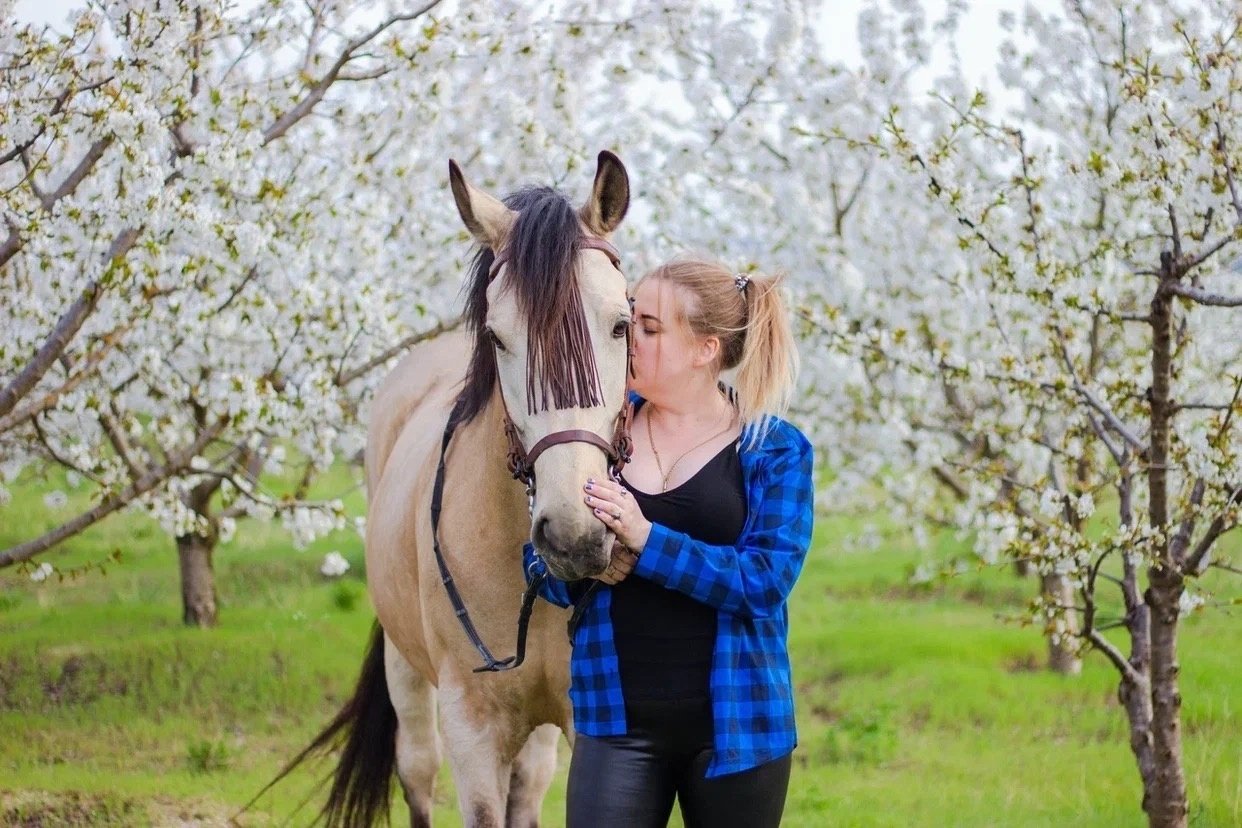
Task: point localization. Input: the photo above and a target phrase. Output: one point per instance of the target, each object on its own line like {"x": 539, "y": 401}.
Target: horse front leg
{"x": 480, "y": 739}
{"x": 531, "y": 777}
{"x": 417, "y": 740}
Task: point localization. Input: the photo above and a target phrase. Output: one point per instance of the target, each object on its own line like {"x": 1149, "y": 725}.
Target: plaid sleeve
{"x": 554, "y": 590}
{"x": 753, "y": 578}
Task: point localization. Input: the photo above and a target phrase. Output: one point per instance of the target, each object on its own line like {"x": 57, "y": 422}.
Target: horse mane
{"x": 542, "y": 272}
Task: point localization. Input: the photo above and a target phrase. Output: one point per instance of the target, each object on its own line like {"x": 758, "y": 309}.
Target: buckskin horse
{"x": 537, "y": 379}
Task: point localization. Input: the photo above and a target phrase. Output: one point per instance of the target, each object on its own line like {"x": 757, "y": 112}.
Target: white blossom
{"x": 334, "y": 565}
{"x": 55, "y": 499}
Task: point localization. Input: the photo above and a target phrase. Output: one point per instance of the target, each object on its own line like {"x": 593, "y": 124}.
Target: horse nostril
{"x": 539, "y": 533}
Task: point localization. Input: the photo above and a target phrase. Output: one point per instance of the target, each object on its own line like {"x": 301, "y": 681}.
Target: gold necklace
{"x": 664, "y": 478}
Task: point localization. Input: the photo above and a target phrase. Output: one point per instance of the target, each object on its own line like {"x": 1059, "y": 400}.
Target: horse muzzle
{"x": 571, "y": 553}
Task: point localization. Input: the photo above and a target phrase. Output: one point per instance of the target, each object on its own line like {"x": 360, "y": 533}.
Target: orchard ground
{"x": 917, "y": 704}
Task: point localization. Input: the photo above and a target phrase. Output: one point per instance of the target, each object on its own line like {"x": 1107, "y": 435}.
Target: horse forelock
{"x": 481, "y": 372}
{"x": 542, "y": 274}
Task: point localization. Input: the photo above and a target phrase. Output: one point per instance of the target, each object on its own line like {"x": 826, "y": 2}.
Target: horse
{"x": 537, "y": 377}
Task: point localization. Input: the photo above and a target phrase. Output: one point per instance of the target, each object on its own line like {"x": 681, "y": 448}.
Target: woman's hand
{"x": 614, "y": 506}
{"x": 620, "y": 567}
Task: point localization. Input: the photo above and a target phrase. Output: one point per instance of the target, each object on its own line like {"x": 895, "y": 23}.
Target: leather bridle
{"x": 618, "y": 451}
{"x": 522, "y": 466}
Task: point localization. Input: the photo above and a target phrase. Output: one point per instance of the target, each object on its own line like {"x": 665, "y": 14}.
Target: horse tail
{"x": 364, "y": 731}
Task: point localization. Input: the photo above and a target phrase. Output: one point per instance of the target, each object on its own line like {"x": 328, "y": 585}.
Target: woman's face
{"x": 666, "y": 353}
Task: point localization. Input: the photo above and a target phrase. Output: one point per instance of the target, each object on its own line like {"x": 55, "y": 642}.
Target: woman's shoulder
{"x": 775, "y": 435}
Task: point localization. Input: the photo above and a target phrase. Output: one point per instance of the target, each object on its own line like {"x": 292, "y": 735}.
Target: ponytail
{"x": 768, "y": 367}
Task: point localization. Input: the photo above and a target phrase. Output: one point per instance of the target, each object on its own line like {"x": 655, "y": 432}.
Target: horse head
{"x": 548, "y": 309}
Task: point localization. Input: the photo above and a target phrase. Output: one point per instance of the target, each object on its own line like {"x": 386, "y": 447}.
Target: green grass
{"x": 917, "y": 704}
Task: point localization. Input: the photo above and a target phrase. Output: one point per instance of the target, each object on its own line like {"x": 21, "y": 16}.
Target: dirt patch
{"x": 83, "y": 679}
{"x": 45, "y": 809}
{"x": 1025, "y": 663}
{"x": 824, "y": 714}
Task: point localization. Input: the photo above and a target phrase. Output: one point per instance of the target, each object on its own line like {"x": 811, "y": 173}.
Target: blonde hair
{"x": 748, "y": 314}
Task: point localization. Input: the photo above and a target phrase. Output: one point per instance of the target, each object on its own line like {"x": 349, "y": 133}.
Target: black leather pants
{"x": 631, "y": 781}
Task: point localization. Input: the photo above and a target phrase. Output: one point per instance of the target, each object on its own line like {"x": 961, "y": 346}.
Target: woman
{"x": 680, "y": 671}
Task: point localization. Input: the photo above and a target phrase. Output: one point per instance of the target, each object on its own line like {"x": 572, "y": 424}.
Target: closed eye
{"x": 500, "y": 346}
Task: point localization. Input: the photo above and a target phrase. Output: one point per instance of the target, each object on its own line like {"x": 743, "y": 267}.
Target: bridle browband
{"x": 522, "y": 466}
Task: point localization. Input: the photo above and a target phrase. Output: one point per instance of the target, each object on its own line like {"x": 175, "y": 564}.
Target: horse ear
{"x": 484, "y": 215}
{"x": 610, "y": 195}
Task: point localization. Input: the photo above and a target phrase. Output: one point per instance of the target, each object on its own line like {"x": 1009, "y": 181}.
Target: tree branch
{"x": 80, "y": 172}
{"x": 1128, "y": 673}
{"x": 113, "y": 502}
{"x": 66, "y": 328}
{"x": 1196, "y": 561}
{"x": 1203, "y": 297}
{"x": 303, "y": 107}
{"x": 16, "y": 418}
{"x": 346, "y": 377}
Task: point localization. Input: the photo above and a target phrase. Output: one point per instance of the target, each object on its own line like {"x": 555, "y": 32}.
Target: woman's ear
{"x": 708, "y": 351}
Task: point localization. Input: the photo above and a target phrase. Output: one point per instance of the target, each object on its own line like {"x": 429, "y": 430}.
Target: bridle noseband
{"x": 522, "y": 466}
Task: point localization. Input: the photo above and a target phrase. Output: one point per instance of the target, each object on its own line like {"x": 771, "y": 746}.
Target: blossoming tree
{"x": 1060, "y": 340}
{"x": 221, "y": 223}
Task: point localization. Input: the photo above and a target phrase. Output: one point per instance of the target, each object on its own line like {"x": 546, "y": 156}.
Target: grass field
{"x": 917, "y": 705}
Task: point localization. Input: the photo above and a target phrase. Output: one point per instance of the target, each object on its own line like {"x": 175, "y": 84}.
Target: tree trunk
{"x": 198, "y": 580}
{"x": 1164, "y": 795}
{"x": 1164, "y": 791}
{"x": 1062, "y": 655}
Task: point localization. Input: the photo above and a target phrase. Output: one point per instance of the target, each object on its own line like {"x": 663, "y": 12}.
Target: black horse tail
{"x": 364, "y": 731}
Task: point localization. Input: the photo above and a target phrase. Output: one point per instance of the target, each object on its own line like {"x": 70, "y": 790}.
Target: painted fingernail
{"x": 586, "y": 499}
{"x": 589, "y": 486}
{"x": 590, "y": 480}
{"x": 597, "y": 511}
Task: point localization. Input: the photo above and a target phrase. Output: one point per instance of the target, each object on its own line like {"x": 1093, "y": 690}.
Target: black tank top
{"x": 665, "y": 639}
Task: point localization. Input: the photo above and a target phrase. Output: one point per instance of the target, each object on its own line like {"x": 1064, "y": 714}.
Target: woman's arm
{"x": 753, "y": 578}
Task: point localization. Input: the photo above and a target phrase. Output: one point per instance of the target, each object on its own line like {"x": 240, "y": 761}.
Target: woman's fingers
{"x": 620, "y": 567}
{"x": 606, "y": 490}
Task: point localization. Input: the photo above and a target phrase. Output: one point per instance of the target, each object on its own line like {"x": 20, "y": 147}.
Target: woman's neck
{"x": 690, "y": 408}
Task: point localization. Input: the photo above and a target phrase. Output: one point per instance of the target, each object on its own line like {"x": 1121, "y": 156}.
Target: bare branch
{"x": 303, "y": 107}
{"x": 1196, "y": 562}
{"x": 1176, "y": 234}
{"x": 110, "y": 420}
{"x": 1203, "y": 297}
{"x": 1128, "y": 673}
{"x": 1112, "y": 419}
{"x": 346, "y": 377}
{"x": 1226, "y": 567}
{"x": 1117, "y": 452}
{"x": 1181, "y": 540}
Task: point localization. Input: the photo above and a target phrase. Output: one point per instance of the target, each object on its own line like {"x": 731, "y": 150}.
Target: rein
{"x": 491, "y": 664}
{"x": 521, "y": 465}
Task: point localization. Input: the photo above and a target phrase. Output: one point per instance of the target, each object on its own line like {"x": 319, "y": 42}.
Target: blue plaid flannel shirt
{"x": 748, "y": 584}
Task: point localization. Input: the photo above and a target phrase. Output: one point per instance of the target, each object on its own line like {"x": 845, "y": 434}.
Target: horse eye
{"x": 500, "y": 346}
{"x": 619, "y": 329}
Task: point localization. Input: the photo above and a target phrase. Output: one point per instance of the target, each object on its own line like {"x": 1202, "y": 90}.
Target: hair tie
{"x": 740, "y": 281}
